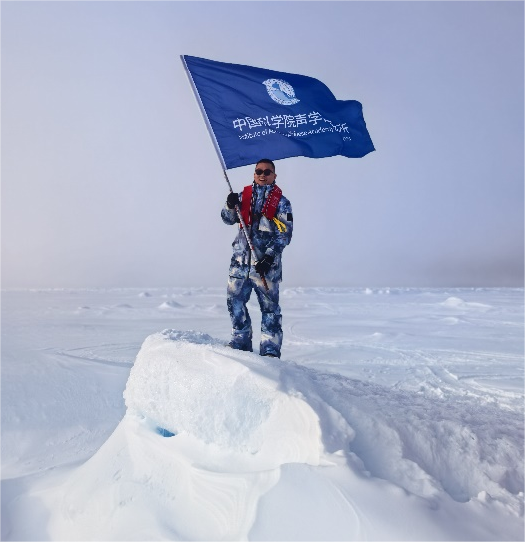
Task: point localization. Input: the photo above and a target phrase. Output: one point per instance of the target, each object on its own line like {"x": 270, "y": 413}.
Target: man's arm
{"x": 228, "y": 214}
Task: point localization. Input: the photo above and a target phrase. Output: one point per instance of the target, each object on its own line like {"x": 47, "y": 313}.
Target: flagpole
{"x": 205, "y": 116}
{"x": 221, "y": 160}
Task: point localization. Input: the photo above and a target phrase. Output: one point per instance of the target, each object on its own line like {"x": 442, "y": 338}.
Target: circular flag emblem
{"x": 280, "y": 91}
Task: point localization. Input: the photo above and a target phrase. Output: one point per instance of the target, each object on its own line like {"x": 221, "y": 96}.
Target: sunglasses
{"x": 265, "y": 171}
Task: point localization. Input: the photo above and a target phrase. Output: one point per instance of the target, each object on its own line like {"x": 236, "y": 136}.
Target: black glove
{"x": 232, "y": 200}
{"x": 263, "y": 266}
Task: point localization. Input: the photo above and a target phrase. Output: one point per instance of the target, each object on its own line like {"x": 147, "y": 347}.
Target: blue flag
{"x": 257, "y": 113}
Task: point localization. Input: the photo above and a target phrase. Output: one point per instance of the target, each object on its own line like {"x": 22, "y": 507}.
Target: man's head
{"x": 264, "y": 172}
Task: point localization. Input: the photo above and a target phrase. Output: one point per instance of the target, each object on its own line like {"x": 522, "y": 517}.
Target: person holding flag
{"x": 249, "y": 112}
{"x": 268, "y": 219}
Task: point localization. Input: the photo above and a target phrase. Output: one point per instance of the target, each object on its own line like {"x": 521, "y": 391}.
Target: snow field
{"x": 393, "y": 415}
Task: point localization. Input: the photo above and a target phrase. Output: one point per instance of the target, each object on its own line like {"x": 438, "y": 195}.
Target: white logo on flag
{"x": 280, "y": 91}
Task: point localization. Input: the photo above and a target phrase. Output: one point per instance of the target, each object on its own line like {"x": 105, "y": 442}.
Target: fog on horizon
{"x": 109, "y": 177}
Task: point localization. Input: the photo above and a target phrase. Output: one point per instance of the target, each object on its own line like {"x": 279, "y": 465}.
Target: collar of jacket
{"x": 265, "y": 187}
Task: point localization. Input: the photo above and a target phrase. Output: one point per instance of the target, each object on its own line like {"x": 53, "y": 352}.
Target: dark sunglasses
{"x": 265, "y": 171}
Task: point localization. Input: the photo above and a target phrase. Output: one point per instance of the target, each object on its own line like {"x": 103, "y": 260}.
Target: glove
{"x": 263, "y": 266}
{"x": 232, "y": 200}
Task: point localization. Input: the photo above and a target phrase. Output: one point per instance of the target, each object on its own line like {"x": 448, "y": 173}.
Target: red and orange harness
{"x": 269, "y": 208}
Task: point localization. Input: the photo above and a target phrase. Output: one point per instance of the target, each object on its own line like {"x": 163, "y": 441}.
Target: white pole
{"x": 205, "y": 117}
{"x": 221, "y": 159}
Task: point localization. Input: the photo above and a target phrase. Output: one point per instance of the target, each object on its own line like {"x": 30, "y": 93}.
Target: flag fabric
{"x": 255, "y": 113}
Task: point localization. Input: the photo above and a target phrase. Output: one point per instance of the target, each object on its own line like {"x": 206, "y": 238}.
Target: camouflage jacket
{"x": 264, "y": 233}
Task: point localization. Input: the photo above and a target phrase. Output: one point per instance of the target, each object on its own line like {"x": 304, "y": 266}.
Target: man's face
{"x": 259, "y": 176}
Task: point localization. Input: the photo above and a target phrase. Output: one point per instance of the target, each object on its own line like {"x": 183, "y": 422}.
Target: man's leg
{"x": 238, "y": 294}
{"x": 271, "y": 320}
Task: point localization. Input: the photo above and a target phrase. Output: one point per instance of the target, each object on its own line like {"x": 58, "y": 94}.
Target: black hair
{"x": 266, "y": 161}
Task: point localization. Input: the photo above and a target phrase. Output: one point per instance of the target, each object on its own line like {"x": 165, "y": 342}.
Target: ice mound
{"x": 189, "y": 383}
{"x": 168, "y": 305}
{"x": 233, "y": 431}
{"x": 458, "y": 303}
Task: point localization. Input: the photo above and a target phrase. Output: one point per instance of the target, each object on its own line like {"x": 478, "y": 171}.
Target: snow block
{"x": 189, "y": 383}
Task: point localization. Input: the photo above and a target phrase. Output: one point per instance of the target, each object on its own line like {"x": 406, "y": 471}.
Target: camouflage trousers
{"x": 239, "y": 292}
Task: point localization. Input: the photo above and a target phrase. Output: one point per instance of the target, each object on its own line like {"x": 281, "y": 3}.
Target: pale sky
{"x": 109, "y": 177}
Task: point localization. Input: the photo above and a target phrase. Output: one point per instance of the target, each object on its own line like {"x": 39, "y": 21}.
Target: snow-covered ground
{"x": 394, "y": 414}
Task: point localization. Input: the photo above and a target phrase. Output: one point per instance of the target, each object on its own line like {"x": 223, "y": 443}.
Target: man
{"x": 269, "y": 222}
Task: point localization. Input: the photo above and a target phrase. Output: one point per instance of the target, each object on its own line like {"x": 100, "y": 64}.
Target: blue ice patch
{"x": 164, "y": 432}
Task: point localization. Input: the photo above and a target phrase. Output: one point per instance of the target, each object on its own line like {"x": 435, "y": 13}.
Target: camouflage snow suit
{"x": 266, "y": 239}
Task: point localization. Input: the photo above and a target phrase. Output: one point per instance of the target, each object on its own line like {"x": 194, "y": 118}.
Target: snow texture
{"x": 394, "y": 414}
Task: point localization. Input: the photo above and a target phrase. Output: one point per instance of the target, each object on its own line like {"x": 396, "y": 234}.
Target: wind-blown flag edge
{"x": 252, "y": 112}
